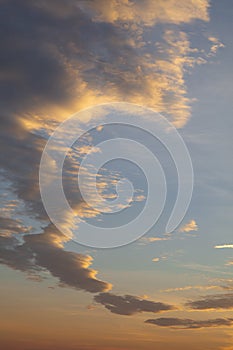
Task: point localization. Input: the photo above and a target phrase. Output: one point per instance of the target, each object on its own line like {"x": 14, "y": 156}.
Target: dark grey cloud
{"x": 48, "y": 50}
{"x": 16, "y": 256}
{"x": 45, "y": 251}
{"x": 20, "y": 159}
{"x": 31, "y": 70}
{"x": 216, "y": 301}
{"x": 129, "y": 304}
{"x": 186, "y": 323}
{"x": 39, "y": 47}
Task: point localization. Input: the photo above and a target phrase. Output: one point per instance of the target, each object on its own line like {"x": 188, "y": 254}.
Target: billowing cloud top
{"x": 70, "y": 55}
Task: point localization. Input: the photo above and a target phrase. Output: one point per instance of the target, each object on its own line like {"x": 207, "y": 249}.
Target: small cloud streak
{"x": 216, "y": 301}
{"x": 180, "y": 323}
{"x": 224, "y": 246}
{"x": 185, "y": 288}
{"x": 147, "y": 240}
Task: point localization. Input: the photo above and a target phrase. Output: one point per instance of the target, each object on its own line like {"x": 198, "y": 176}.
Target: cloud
{"x": 181, "y": 289}
{"x": 50, "y": 63}
{"x": 216, "y": 301}
{"x": 62, "y": 47}
{"x": 54, "y": 65}
{"x": 220, "y": 284}
{"x": 226, "y": 284}
{"x": 129, "y": 304}
{"x": 45, "y": 251}
{"x": 156, "y": 259}
{"x": 190, "y": 226}
{"x": 147, "y": 12}
{"x": 223, "y": 246}
{"x": 154, "y": 239}
{"x": 58, "y": 57}
{"x": 179, "y": 323}
{"x": 11, "y": 226}
{"x": 215, "y": 46}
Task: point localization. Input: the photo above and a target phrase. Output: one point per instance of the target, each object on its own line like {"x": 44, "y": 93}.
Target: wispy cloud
{"x": 186, "y": 323}
{"x": 224, "y": 246}
{"x": 216, "y": 44}
{"x": 146, "y": 240}
{"x": 185, "y": 288}
{"x": 216, "y": 301}
{"x": 190, "y": 226}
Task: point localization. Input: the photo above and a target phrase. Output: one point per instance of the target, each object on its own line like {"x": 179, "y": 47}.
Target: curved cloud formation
{"x": 45, "y": 251}
{"x": 60, "y": 56}
{"x": 186, "y": 323}
{"x": 129, "y": 304}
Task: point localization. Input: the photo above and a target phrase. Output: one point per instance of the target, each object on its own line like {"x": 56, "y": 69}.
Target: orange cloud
{"x": 190, "y": 226}
{"x": 147, "y": 12}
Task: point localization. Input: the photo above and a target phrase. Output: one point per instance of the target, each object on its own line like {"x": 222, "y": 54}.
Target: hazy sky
{"x": 164, "y": 290}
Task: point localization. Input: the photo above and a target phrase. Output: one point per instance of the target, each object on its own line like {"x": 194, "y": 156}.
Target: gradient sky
{"x": 163, "y": 291}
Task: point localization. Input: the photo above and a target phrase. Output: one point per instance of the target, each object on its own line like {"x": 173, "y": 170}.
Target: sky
{"x": 114, "y": 106}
